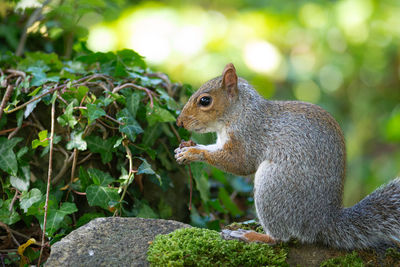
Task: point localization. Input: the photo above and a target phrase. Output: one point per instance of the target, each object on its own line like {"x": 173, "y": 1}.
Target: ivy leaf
{"x": 68, "y": 118}
{"x": 87, "y": 217}
{"x": 171, "y": 103}
{"x": 228, "y": 203}
{"x": 38, "y": 75}
{"x": 145, "y": 167}
{"x": 201, "y": 182}
{"x": 145, "y": 211}
{"x": 22, "y": 180}
{"x": 8, "y": 161}
{"x": 158, "y": 114}
{"x": 84, "y": 178}
{"x": 99, "y": 177}
{"x": 27, "y": 199}
{"x": 132, "y": 103}
{"x": 101, "y": 195}
{"x": 20, "y": 117}
{"x": 81, "y": 91}
{"x": 130, "y": 58}
{"x": 22, "y": 152}
{"x": 31, "y": 106}
{"x": 76, "y": 141}
{"x": 56, "y": 216}
{"x": 6, "y": 216}
{"x": 105, "y": 148}
{"x": 42, "y": 141}
{"x": 131, "y": 127}
{"x": 19, "y": 183}
{"x": 94, "y": 112}
{"x": 151, "y": 134}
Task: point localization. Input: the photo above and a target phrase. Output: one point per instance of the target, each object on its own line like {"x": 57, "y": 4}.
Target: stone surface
{"x": 110, "y": 242}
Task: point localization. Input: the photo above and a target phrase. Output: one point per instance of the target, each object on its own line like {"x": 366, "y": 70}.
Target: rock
{"x": 110, "y": 242}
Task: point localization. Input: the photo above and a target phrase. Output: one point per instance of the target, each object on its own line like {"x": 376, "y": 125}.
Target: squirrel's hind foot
{"x": 247, "y": 236}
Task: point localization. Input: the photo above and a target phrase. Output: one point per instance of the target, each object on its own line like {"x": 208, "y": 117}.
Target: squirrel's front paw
{"x": 247, "y": 236}
{"x": 185, "y": 155}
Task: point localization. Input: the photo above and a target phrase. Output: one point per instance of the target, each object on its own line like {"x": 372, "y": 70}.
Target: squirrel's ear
{"x": 230, "y": 79}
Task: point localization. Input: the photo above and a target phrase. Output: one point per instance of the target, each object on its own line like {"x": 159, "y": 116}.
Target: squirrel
{"x": 297, "y": 152}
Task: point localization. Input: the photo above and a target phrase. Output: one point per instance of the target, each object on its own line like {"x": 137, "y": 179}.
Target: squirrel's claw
{"x": 180, "y": 155}
{"x": 185, "y": 155}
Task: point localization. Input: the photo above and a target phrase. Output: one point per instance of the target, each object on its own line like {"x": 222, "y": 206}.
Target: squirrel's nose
{"x": 179, "y": 122}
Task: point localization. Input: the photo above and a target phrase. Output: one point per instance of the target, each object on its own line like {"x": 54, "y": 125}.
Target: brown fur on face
{"x": 223, "y": 92}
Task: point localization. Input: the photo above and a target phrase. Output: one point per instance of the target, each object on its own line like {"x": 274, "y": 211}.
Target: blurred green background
{"x": 342, "y": 55}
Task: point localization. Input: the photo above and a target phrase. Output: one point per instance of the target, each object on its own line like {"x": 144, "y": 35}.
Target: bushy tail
{"x": 372, "y": 223}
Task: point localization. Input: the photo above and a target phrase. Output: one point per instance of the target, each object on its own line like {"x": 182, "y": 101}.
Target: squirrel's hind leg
{"x": 247, "y": 236}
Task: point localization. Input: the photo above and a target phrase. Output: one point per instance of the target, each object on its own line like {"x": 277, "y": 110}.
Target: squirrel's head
{"x": 205, "y": 108}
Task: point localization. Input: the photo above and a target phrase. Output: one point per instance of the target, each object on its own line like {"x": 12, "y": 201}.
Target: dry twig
{"x": 48, "y": 178}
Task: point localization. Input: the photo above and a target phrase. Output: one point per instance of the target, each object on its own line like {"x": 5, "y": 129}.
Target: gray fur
{"x": 297, "y": 151}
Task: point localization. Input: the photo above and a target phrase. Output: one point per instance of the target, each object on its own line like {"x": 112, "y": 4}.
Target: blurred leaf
{"x": 164, "y": 210}
{"x": 219, "y": 175}
{"x": 158, "y": 114}
{"x": 201, "y": 181}
{"x": 20, "y": 117}
{"x": 76, "y": 141}
{"x": 19, "y": 183}
{"x": 56, "y": 216}
{"x": 50, "y": 61}
{"x": 105, "y": 148}
{"x": 217, "y": 205}
{"x": 67, "y": 118}
{"x": 240, "y": 184}
{"x": 146, "y": 212}
{"x": 27, "y": 199}
{"x": 392, "y": 129}
{"x": 228, "y": 203}
{"x": 131, "y": 59}
{"x": 31, "y": 106}
{"x": 87, "y": 217}
{"x": 84, "y": 178}
{"x": 131, "y": 127}
{"x": 22, "y": 152}
{"x": 132, "y": 103}
{"x": 22, "y": 180}
{"x": 100, "y": 178}
{"x": 101, "y": 195}
{"x": 151, "y": 134}
{"x": 171, "y": 103}
{"x": 6, "y": 216}
{"x": 8, "y": 161}
{"x": 94, "y": 112}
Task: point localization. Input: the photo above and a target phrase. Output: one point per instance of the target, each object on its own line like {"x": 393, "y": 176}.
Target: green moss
{"x": 350, "y": 260}
{"x": 203, "y": 247}
{"x": 392, "y": 257}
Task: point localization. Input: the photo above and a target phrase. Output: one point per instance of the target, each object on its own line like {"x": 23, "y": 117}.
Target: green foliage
{"x": 42, "y": 141}
{"x": 101, "y": 119}
{"x": 8, "y": 161}
{"x": 114, "y": 129}
{"x": 349, "y": 260}
{"x": 203, "y": 247}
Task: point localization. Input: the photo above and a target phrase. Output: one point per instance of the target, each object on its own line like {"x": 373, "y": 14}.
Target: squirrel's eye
{"x": 205, "y": 101}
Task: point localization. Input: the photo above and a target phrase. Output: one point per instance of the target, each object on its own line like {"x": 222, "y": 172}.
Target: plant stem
{"x": 131, "y": 172}
{"x": 48, "y": 179}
